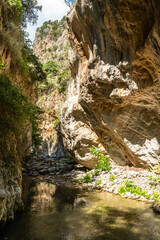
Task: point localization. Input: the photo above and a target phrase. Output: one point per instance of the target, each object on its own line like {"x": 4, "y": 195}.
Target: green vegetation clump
{"x": 22, "y": 11}
{"x": 54, "y": 29}
{"x": 63, "y": 80}
{"x": 112, "y": 177}
{"x": 16, "y": 111}
{"x": 99, "y": 182}
{"x": 156, "y": 196}
{"x": 51, "y": 67}
{"x": 103, "y": 163}
{"x": 44, "y": 30}
{"x": 56, "y": 123}
{"x": 133, "y": 189}
{"x": 87, "y": 178}
{"x": 154, "y": 181}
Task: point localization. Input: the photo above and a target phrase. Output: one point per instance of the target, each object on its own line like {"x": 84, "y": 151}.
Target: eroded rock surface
{"x": 115, "y": 68}
{"x": 51, "y": 46}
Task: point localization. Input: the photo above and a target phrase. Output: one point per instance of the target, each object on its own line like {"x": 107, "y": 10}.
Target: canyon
{"x": 100, "y": 89}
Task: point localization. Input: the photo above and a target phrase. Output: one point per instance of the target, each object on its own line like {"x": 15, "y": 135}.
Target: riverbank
{"x": 130, "y": 182}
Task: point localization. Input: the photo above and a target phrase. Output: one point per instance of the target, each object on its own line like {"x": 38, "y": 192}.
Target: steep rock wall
{"x": 13, "y": 147}
{"x": 51, "y": 47}
{"x": 115, "y": 66}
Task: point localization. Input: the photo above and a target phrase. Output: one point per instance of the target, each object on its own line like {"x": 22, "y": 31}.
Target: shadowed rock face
{"x": 115, "y": 62}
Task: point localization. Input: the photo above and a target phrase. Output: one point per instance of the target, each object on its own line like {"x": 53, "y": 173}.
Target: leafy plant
{"x": 103, "y": 163}
{"x": 2, "y": 67}
{"x": 23, "y": 11}
{"x": 112, "y": 177}
{"x": 56, "y": 123}
{"x": 133, "y": 189}
{"x": 99, "y": 182}
{"x": 16, "y": 111}
{"x": 156, "y": 196}
{"x": 51, "y": 67}
{"x": 87, "y": 178}
{"x": 63, "y": 80}
{"x": 154, "y": 180}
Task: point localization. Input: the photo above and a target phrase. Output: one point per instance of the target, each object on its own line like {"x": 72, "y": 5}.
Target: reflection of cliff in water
{"x": 42, "y": 200}
{"x": 63, "y": 213}
{"x": 46, "y": 197}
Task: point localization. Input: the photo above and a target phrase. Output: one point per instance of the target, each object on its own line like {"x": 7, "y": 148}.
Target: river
{"x": 58, "y": 212}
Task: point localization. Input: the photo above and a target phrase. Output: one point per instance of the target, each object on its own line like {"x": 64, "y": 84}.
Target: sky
{"x": 51, "y": 10}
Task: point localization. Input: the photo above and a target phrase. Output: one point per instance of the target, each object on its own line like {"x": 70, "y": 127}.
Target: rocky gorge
{"x": 92, "y": 84}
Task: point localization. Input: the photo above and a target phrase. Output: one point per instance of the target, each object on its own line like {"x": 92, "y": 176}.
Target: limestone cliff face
{"x": 51, "y": 41}
{"x": 51, "y": 47}
{"x": 115, "y": 66}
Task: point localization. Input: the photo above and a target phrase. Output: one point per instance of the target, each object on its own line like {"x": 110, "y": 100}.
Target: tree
{"x": 22, "y": 11}
{"x": 30, "y": 11}
{"x": 51, "y": 67}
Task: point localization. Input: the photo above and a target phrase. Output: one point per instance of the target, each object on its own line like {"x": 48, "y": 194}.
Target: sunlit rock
{"x": 115, "y": 66}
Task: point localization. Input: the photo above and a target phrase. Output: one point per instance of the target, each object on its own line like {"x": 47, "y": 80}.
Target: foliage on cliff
{"x": 51, "y": 46}
{"x": 16, "y": 110}
{"x": 18, "y": 64}
{"x": 54, "y": 29}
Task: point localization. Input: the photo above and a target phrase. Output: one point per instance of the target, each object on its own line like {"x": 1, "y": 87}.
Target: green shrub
{"x": 51, "y": 67}
{"x": 122, "y": 190}
{"x": 154, "y": 180}
{"x": 2, "y": 67}
{"x": 136, "y": 190}
{"x": 44, "y": 30}
{"x": 63, "y": 80}
{"x": 97, "y": 172}
{"x": 16, "y": 111}
{"x": 156, "y": 196}
{"x": 87, "y": 178}
{"x": 56, "y": 123}
{"x": 14, "y": 47}
{"x": 99, "y": 182}
{"x": 133, "y": 189}
{"x": 15, "y": 6}
{"x": 103, "y": 163}
{"x": 112, "y": 177}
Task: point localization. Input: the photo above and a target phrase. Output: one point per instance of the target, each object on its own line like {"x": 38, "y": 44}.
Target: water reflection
{"x": 61, "y": 213}
{"x": 43, "y": 198}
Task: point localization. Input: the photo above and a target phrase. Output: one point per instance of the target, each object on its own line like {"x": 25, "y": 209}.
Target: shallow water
{"x": 61, "y": 213}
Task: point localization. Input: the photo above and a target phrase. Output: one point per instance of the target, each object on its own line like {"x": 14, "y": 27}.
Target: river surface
{"x": 65, "y": 213}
